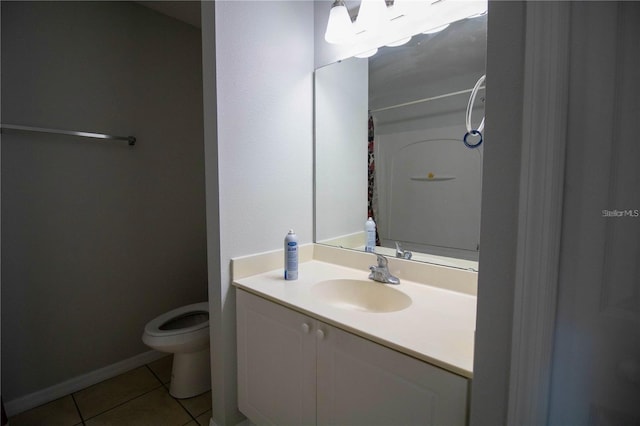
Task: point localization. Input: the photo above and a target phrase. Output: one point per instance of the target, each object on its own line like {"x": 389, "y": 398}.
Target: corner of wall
{"x": 499, "y": 223}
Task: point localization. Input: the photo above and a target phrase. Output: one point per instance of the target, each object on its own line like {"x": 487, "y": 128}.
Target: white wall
{"x": 341, "y": 95}
{"x": 264, "y": 87}
{"x": 98, "y": 237}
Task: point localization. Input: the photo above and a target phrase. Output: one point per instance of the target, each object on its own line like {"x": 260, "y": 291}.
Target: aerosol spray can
{"x": 291, "y": 256}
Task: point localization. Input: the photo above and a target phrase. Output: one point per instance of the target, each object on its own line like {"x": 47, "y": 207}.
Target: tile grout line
{"x": 153, "y": 373}
{"x": 187, "y": 411}
{"x": 175, "y": 399}
{"x": 118, "y": 405}
{"x": 164, "y": 385}
{"x": 193, "y": 418}
{"x": 73, "y": 398}
{"x": 159, "y": 385}
{"x": 123, "y": 403}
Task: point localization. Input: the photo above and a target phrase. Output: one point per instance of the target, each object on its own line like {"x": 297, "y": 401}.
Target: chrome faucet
{"x": 381, "y": 272}
{"x": 402, "y": 254}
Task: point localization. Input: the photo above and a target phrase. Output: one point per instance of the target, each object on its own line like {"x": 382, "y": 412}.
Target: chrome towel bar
{"x": 130, "y": 139}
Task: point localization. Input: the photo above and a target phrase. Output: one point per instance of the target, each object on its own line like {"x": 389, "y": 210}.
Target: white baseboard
{"x": 18, "y": 405}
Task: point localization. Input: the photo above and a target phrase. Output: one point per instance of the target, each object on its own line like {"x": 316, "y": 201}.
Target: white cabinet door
{"x": 362, "y": 383}
{"x": 276, "y": 363}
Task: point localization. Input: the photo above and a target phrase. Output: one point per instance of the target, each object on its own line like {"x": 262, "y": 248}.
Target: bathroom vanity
{"x": 310, "y": 354}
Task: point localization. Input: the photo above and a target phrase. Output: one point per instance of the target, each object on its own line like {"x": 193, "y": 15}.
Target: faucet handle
{"x": 402, "y": 254}
{"x": 399, "y": 251}
{"x": 382, "y": 261}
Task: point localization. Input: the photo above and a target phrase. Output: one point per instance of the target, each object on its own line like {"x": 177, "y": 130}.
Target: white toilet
{"x": 185, "y": 333}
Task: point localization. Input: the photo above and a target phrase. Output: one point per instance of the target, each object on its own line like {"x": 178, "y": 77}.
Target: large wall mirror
{"x": 411, "y": 101}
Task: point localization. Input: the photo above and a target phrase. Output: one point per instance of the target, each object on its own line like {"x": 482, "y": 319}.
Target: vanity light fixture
{"x": 380, "y": 25}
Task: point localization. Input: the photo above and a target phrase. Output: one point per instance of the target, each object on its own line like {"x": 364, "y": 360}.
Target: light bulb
{"x": 372, "y": 16}
{"x": 340, "y": 29}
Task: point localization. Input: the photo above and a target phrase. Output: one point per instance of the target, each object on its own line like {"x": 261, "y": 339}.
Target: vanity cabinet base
{"x": 296, "y": 370}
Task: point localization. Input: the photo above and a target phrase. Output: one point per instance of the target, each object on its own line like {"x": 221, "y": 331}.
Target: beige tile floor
{"x": 139, "y": 397}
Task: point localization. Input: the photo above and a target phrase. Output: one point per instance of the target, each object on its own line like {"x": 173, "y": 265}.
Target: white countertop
{"x": 438, "y": 327}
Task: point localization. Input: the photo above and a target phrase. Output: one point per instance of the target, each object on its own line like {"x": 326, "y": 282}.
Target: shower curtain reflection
{"x": 372, "y": 190}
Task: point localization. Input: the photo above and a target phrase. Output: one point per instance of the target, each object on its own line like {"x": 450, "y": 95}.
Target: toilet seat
{"x": 154, "y": 327}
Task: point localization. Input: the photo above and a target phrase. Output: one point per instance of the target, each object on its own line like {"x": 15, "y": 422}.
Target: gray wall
{"x": 98, "y": 238}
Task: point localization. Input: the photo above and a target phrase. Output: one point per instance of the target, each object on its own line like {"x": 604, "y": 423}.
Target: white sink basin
{"x": 361, "y": 295}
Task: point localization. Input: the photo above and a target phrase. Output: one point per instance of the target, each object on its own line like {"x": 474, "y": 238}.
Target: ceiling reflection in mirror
{"x": 389, "y": 144}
